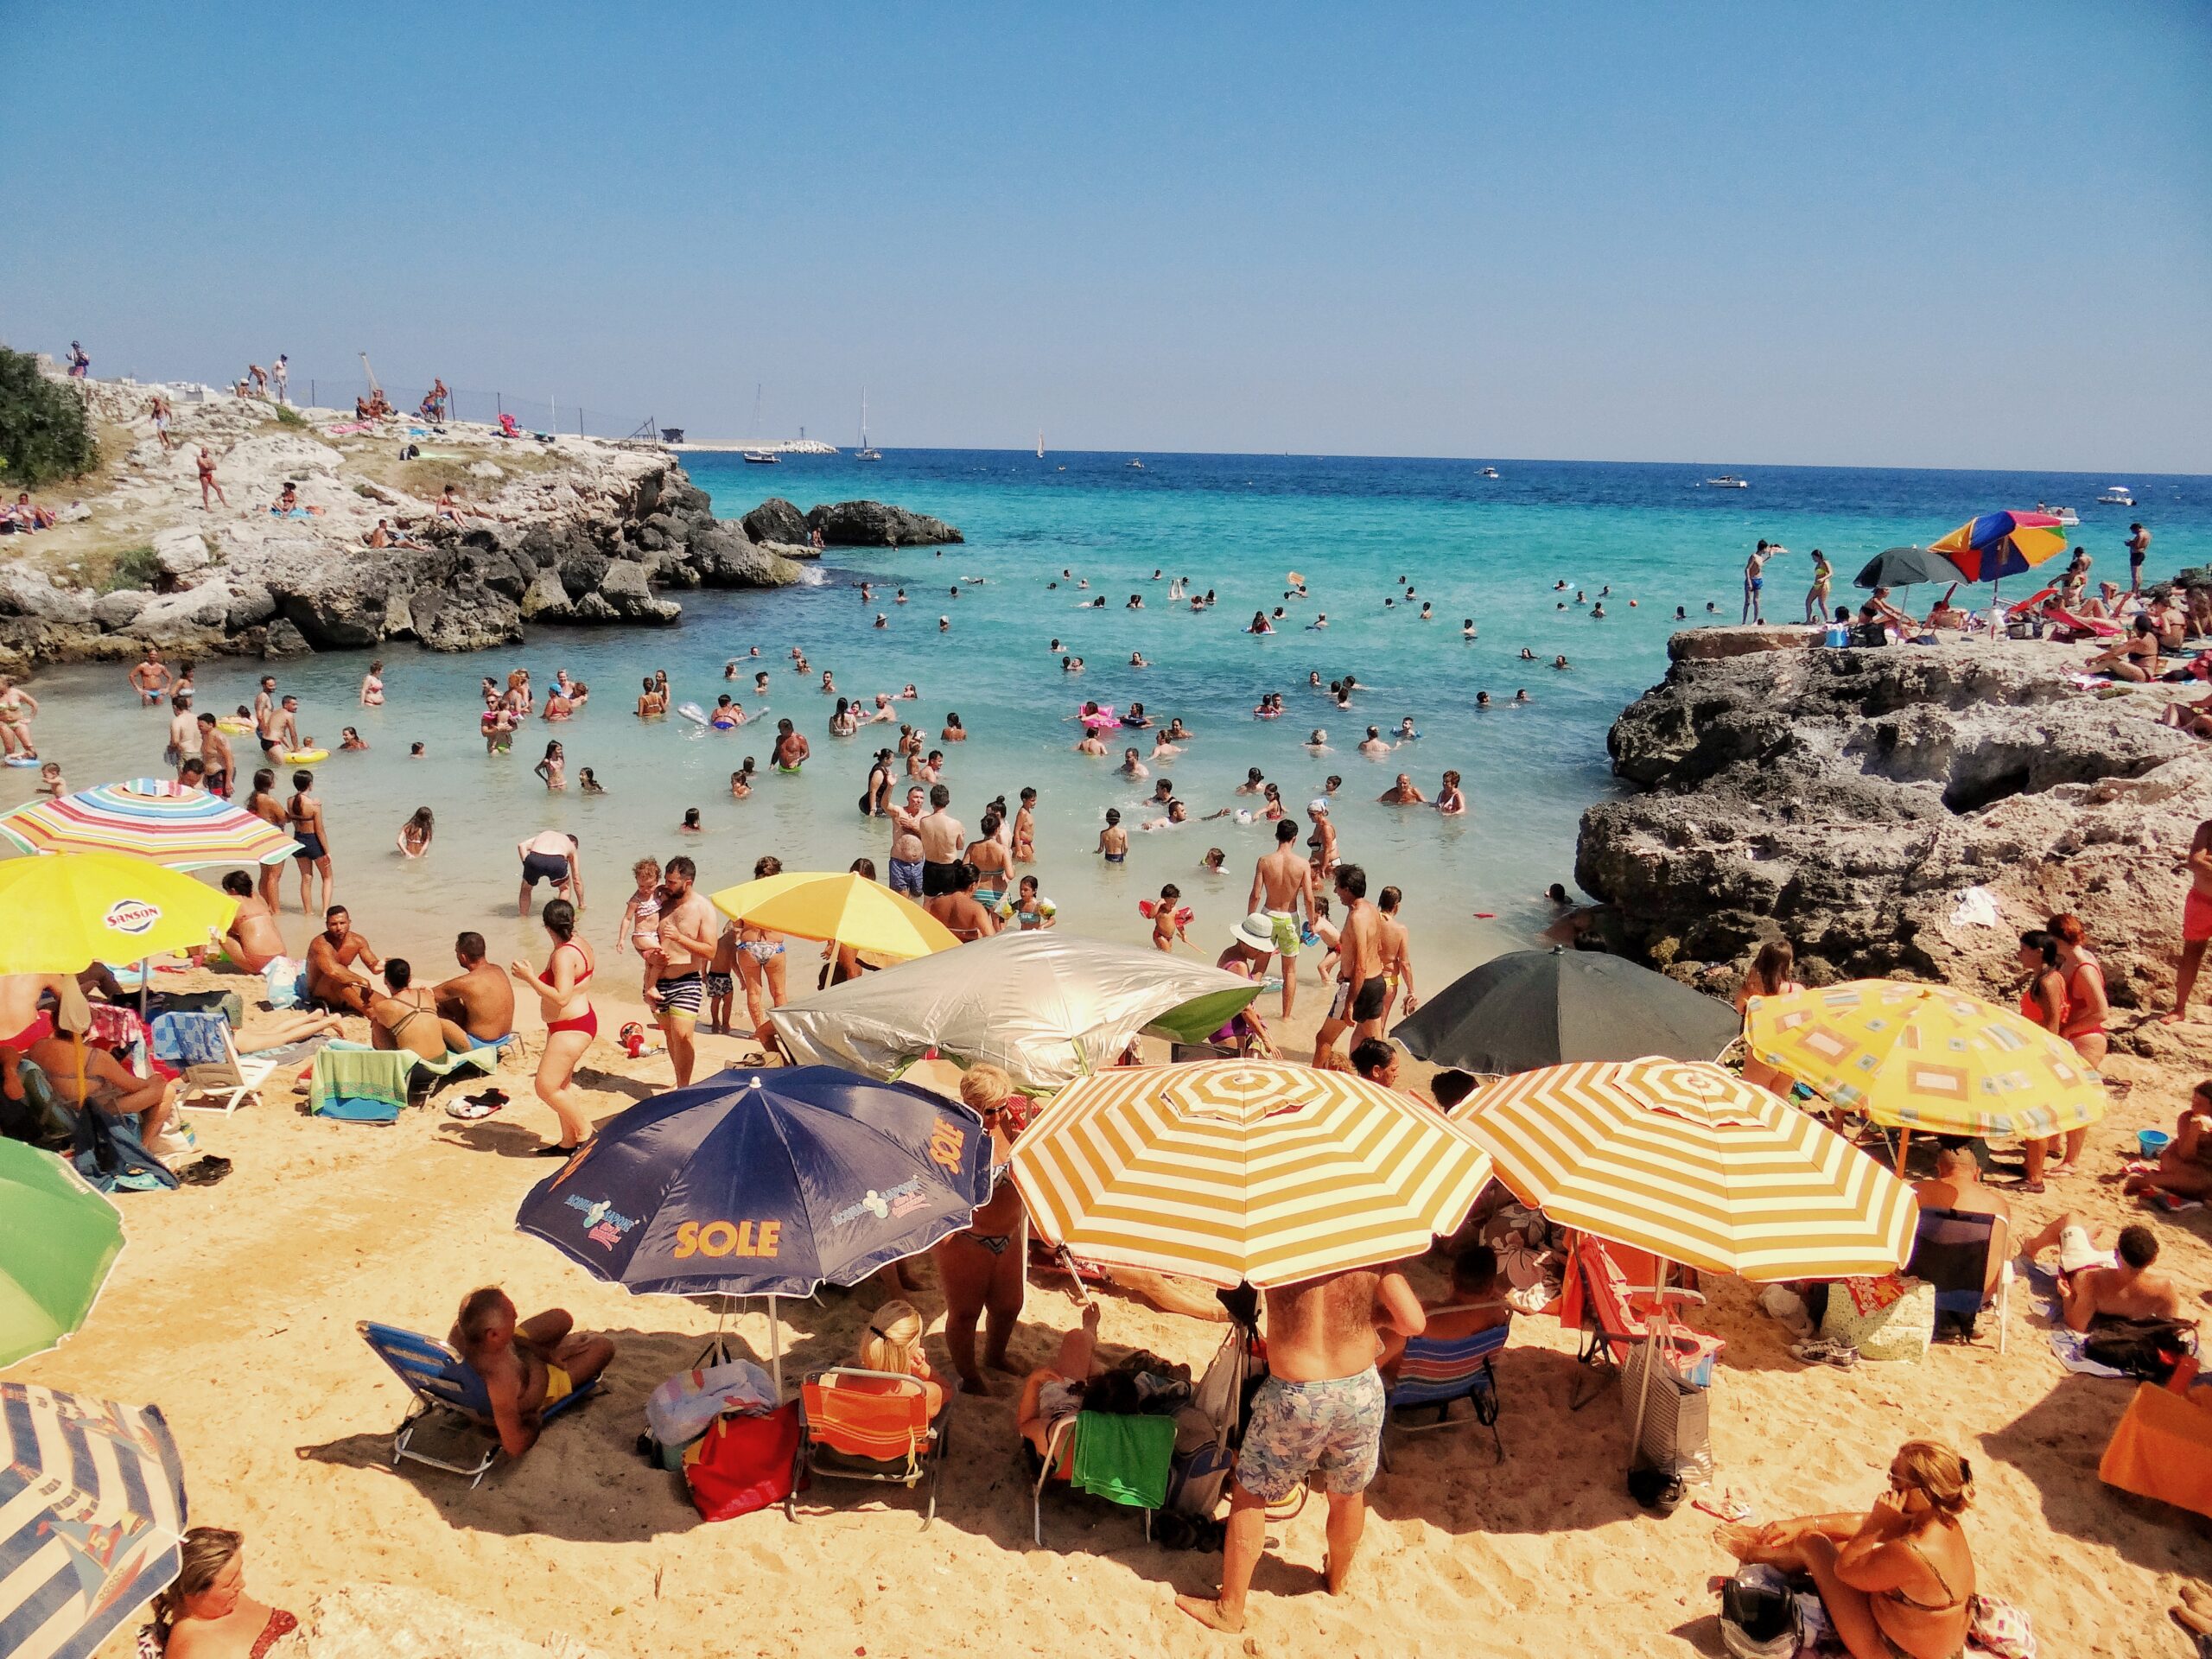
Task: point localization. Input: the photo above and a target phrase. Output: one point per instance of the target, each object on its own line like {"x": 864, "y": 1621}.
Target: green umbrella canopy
{"x": 58, "y": 1239}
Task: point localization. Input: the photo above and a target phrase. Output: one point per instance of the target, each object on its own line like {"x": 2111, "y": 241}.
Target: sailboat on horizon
{"x": 1041, "y": 444}
{"x": 865, "y": 452}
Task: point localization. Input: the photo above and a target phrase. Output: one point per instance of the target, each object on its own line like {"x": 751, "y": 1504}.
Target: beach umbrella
{"x": 58, "y": 1239}
{"x": 1243, "y": 1171}
{"x": 1529, "y": 1008}
{"x": 60, "y": 914}
{"x": 1926, "y": 1056}
{"x": 1901, "y": 566}
{"x": 1048, "y": 1005}
{"x": 1689, "y": 1162}
{"x": 92, "y": 1509}
{"x": 848, "y": 909}
{"x": 149, "y": 817}
{"x": 765, "y": 1184}
{"x": 2000, "y": 544}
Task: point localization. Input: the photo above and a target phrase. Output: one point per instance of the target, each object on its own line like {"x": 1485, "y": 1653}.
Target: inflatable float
{"x": 306, "y": 757}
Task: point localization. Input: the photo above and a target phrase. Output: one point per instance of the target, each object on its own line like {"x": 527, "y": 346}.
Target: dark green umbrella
{"x": 1900, "y": 567}
{"x": 1529, "y": 1008}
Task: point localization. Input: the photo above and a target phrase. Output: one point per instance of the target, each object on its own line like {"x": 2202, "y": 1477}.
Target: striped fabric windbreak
{"x": 91, "y": 1506}
{"x": 1687, "y": 1160}
{"x": 149, "y": 818}
{"x": 1243, "y": 1169}
{"x": 1927, "y": 1058}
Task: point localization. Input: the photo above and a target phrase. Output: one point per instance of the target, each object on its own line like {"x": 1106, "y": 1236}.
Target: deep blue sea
{"x": 1491, "y": 549}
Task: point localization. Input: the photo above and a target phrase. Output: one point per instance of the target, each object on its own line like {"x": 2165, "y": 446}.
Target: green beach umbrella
{"x": 58, "y": 1239}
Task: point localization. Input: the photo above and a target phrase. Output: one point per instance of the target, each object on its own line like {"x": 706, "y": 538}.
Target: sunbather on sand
{"x": 526, "y": 1364}
{"x": 2091, "y": 1283}
{"x": 252, "y": 941}
{"x": 2134, "y": 658}
{"x": 1476, "y": 1304}
{"x": 893, "y": 1343}
{"x": 1957, "y": 1185}
{"x": 2185, "y": 1167}
{"x": 1071, "y": 1383}
{"x": 90, "y": 1076}
{"x": 1898, "y": 1580}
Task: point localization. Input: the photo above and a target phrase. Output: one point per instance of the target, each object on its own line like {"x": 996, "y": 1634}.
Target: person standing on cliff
{"x": 1754, "y": 580}
{"x": 2195, "y": 921}
{"x": 207, "y": 482}
{"x": 1816, "y": 596}
{"x": 2139, "y": 550}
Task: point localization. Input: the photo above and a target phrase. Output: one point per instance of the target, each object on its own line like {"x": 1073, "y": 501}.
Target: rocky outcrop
{"x": 776, "y": 520}
{"x": 1847, "y": 800}
{"x": 873, "y": 523}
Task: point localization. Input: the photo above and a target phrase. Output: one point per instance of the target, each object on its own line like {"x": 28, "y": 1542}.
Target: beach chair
{"x": 863, "y": 1425}
{"x": 444, "y": 1384}
{"x": 227, "y": 1078}
{"x": 1067, "y": 1437}
{"x": 1434, "y": 1373}
{"x": 1951, "y": 1250}
{"x": 1617, "y": 1316}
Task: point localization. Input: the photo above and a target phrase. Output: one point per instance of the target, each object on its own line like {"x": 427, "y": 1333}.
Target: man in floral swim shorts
{"x": 1318, "y": 1418}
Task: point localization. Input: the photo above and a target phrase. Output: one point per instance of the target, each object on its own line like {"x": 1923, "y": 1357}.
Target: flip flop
{"x": 475, "y": 1107}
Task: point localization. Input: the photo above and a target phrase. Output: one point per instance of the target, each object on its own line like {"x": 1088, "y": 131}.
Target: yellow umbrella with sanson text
{"x": 1232, "y": 1171}
{"x": 845, "y": 908}
{"x": 63, "y": 911}
{"x": 1927, "y": 1058}
{"x": 1686, "y": 1159}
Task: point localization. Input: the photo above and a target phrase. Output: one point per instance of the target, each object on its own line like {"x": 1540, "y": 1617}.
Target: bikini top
{"x": 584, "y": 978}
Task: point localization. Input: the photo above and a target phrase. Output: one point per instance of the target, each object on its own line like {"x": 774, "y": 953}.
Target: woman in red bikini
{"x": 570, "y": 1022}
{"x": 2042, "y": 1002}
{"x": 2085, "y": 1008}
{"x": 206, "y": 1614}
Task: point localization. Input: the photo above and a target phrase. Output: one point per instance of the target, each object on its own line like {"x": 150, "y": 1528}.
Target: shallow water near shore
{"x": 1492, "y": 549}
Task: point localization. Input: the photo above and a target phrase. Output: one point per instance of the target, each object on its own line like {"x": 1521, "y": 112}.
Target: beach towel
{"x": 190, "y": 1038}
{"x": 286, "y": 978}
{"x": 359, "y": 1083}
{"x": 1123, "y": 1458}
{"x": 1974, "y": 908}
{"x": 2162, "y": 1448}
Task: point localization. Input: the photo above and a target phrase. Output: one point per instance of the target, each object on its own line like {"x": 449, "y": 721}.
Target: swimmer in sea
{"x": 1598, "y": 609}
{"x": 1112, "y": 840}
{"x": 691, "y": 826}
{"x": 1314, "y": 680}
{"x": 1467, "y": 629}
{"x": 1482, "y": 699}
{"x": 908, "y": 694}
{"x": 551, "y": 767}
{"x": 1561, "y": 663}
{"x": 899, "y": 598}
{"x": 1177, "y": 813}
{"x": 790, "y": 750}
{"x": 944, "y": 625}
{"x": 1374, "y": 744}
{"x": 1163, "y": 790}
{"x": 1449, "y": 801}
{"x": 760, "y": 683}
{"x": 1177, "y": 731}
{"x": 1318, "y": 742}
{"x": 1527, "y": 655}
{"x": 1403, "y": 793}
{"x": 588, "y": 784}
{"x": 740, "y": 781}
{"x": 1136, "y": 602}
{"x": 1426, "y": 614}
{"x": 1136, "y": 660}
{"x": 829, "y": 685}
{"x": 882, "y": 621}
{"x": 1090, "y": 743}
{"x": 1161, "y": 748}
{"x": 1682, "y": 613}
{"x": 1259, "y": 623}
{"x": 1318, "y": 624}
{"x": 1214, "y": 860}
{"x": 1521, "y": 697}
{"x": 1406, "y": 733}
{"x": 954, "y": 732}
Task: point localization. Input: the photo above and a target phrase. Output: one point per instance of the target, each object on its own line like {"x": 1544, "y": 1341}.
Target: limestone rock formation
{"x": 872, "y": 523}
{"x": 776, "y": 520}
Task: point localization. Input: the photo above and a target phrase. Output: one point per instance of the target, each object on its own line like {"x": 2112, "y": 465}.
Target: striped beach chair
{"x": 1434, "y": 1373}
{"x": 443, "y": 1383}
{"x": 1617, "y": 1316}
{"x": 864, "y": 1425}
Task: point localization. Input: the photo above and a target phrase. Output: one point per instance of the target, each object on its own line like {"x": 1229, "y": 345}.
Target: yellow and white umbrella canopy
{"x": 1686, "y": 1159}
{"x": 1927, "y": 1058}
{"x": 1243, "y": 1169}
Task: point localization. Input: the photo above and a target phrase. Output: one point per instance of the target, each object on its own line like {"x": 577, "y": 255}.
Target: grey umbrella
{"x": 1900, "y": 567}
{"x": 1529, "y": 1008}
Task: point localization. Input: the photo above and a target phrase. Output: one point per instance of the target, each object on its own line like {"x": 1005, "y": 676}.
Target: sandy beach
{"x": 233, "y": 1307}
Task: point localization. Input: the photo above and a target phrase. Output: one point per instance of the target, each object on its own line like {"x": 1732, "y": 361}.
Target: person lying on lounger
{"x": 526, "y": 1364}
{"x": 1071, "y": 1384}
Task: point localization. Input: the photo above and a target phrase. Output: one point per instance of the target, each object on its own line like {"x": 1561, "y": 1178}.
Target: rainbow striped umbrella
{"x": 149, "y": 818}
{"x": 1690, "y": 1162}
{"x": 2000, "y": 544}
{"x": 1927, "y": 1058}
{"x": 1252, "y": 1171}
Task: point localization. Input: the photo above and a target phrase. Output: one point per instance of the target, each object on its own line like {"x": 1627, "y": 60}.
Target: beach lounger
{"x": 863, "y": 1425}
{"x": 444, "y": 1384}
{"x": 1127, "y": 1459}
{"x": 1951, "y": 1250}
{"x": 1617, "y": 1316}
{"x": 226, "y": 1077}
{"x": 1434, "y": 1373}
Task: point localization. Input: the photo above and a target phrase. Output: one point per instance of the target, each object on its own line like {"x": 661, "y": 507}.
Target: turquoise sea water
{"x": 1492, "y": 549}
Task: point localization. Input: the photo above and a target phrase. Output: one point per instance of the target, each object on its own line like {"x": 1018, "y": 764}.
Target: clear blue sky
{"x": 1857, "y": 234}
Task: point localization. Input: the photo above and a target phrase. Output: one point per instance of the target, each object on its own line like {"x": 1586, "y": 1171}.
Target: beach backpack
{"x": 2144, "y": 1348}
{"x": 1759, "y": 1615}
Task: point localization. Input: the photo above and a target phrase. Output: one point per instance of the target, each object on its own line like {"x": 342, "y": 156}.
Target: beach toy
{"x": 2151, "y": 1143}
{"x": 633, "y": 1039}
{"x": 24, "y": 761}
{"x": 306, "y": 757}
{"x": 692, "y": 712}
{"x": 1103, "y": 720}
{"x": 232, "y": 723}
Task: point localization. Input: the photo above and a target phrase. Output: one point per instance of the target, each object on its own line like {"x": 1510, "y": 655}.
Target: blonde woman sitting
{"x": 893, "y": 1343}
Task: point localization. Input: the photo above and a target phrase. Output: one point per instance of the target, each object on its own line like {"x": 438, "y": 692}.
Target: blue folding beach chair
{"x": 443, "y": 1382}
{"x": 1434, "y": 1373}
{"x": 1951, "y": 1250}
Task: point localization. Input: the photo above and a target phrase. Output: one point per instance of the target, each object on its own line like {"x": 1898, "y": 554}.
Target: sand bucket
{"x": 2151, "y": 1143}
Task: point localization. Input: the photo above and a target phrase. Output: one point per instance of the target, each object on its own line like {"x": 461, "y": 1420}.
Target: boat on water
{"x": 759, "y": 457}
{"x": 2116, "y": 495}
{"x": 1041, "y": 445}
{"x": 1490, "y": 472}
{"x": 1727, "y": 481}
{"x": 1135, "y": 464}
{"x": 865, "y": 452}
{"x": 2063, "y": 515}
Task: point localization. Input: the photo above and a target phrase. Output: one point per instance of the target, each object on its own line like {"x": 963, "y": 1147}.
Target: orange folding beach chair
{"x": 863, "y": 1425}
{"x": 1610, "y": 1292}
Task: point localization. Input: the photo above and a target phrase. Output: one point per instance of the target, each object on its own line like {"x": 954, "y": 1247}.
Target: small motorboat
{"x": 761, "y": 457}
{"x": 2116, "y": 495}
{"x": 1490, "y": 472}
{"x": 1135, "y": 465}
{"x": 2066, "y": 516}
{"x": 1727, "y": 481}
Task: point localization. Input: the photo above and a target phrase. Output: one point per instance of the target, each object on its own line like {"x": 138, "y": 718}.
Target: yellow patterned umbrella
{"x": 1243, "y": 1169}
{"x": 1686, "y": 1159}
{"x": 1927, "y": 1058}
{"x": 850, "y": 909}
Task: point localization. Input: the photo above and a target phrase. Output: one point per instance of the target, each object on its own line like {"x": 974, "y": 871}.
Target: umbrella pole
{"x": 775, "y": 1348}
{"x": 1904, "y": 1147}
{"x": 1650, "y": 1360}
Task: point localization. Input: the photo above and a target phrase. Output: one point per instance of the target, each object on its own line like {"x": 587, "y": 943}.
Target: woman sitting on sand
{"x": 2134, "y": 658}
{"x": 1898, "y": 1580}
{"x": 205, "y": 1613}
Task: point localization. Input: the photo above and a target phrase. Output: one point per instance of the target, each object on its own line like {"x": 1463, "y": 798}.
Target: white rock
{"x": 180, "y": 551}
{"x": 486, "y": 469}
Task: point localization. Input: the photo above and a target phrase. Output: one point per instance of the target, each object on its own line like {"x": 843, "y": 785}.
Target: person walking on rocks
{"x": 207, "y": 482}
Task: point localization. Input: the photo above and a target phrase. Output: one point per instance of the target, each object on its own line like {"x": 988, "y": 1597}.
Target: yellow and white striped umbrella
{"x": 1243, "y": 1169}
{"x": 1687, "y": 1160}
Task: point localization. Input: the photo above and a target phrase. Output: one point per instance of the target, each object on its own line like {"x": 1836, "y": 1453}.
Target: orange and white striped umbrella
{"x": 1687, "y": 1160}
{"x": 1243, "y": 1169}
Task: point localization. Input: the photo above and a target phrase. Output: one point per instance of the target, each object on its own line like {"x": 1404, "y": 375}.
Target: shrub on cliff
{"x": 45, "y": 433}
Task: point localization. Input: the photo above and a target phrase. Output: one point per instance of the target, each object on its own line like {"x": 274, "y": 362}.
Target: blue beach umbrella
{"x": 91, "y": 1506}
{"x": 765, "y": 1184}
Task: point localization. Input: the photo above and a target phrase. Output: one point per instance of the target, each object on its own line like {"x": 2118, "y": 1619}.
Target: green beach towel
{"x": 347, "y": 1075}
{"x": 1123, "y": 1458}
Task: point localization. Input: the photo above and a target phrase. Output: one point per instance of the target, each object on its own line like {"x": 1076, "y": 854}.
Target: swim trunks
{"x": 906, "y": 876}
{"x": 544, "y": 867}
{"x": 558, "y": 1385}
{"x": 680, "y": 997}
{"x": 2196, "y": 918}
{"x": 1366, "y": 1004}
{"x": 939, "y": 879}
{"x": 1286, "y": 931}
{"x": 1328, "y": 1434}
{"x": 719, "y": 985}
{"x": 2075, "y": 1252}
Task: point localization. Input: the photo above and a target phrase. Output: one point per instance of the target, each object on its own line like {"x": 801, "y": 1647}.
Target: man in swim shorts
{"x": 906, "y": 845}
{"x": 1282, "y": 885}
{"x": 527, "y": 1364}
{"x": 944, "y": 838}
{"x": 481, "y": 999}
{"x": 688, "y": 931}
{"x": 1362, "y": 991}
{"x": 2094, "y": 1282}
{"x": 1316, "y": 1419}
